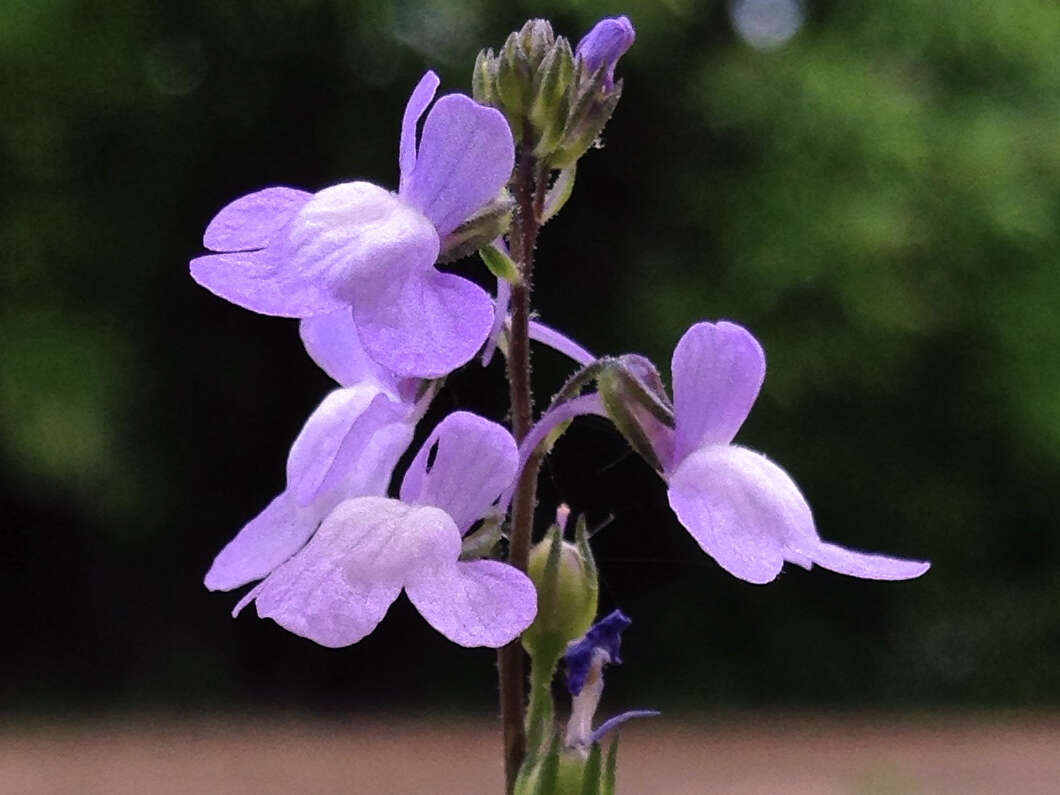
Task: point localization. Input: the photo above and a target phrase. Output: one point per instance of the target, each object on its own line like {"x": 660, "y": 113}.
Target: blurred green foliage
{"x": 877, "y": 199}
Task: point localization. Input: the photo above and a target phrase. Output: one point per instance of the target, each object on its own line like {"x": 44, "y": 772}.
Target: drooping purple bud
{"x": 602, "y": 640}
{"x": 604, "y": 45}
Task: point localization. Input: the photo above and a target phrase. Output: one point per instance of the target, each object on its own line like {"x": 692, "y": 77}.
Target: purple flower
{"x": 742, "y": 509}
{"x": 347, "y": 448}
{"x": 604, "y": 45}
{"x": 338, "y": 587}
{"x": 358, "y": 247}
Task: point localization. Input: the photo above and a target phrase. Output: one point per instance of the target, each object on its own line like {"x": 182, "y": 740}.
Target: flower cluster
{"x": 357, "y": 265}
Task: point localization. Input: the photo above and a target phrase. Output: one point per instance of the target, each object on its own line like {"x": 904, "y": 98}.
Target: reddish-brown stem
{"x": 529, "y": 189}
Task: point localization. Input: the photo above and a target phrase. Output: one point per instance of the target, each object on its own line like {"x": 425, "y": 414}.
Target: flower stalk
{"x": 529, "y": 189}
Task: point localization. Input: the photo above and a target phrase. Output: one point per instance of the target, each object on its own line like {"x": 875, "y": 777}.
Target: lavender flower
{"x": 358, "y": 247}
{"x": 740, "y": 507}
{"x": 604, "y": 45}
{"x": 347, "y": 448}
{"x": 338, "y": 587}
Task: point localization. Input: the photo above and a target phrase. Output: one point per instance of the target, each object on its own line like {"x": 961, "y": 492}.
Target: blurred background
{"x": 873, "y": 189}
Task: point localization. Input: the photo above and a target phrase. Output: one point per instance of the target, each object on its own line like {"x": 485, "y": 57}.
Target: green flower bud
{"x": 636, "y": 402}
{"x": 548, "y": 112}
{"x": 513, "y": 78}
{"x": 567, "y": 589}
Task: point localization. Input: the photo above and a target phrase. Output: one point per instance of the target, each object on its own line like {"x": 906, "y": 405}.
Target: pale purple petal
{"x": 867, "y": 565}
{"x": 717, "y": 372}
{"x": 368, "y": 453}
{"x": 264, "y": 543}
{"x": 477, "y": 603}
{"x": 332, "y": 342}
{"x": 258, "y": 281}
{"x": 605, "y": 44}
{"x": 339, "y": 587}
{"x": 353, "y": 232}
{"x": 249, "y": 221}
{"x": 748, "y": 514}
{"x": 421, "y": 97}
{"x": 742, "y": 509}
{"x": 314, "y": 450}
{"x": 465, "y": 157}
{"x": 472, "y": 461}
{"x": 424, "y": 325}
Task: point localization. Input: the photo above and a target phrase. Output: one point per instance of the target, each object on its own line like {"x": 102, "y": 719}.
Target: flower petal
{"x": 425, "y": 325}
{"x": 367, "y": 455}
{"x": 742, "y": 509}
{"x": 264, "y": 543}
{"x": 717, "y": 372}
{"x": 465, "y": 157}
{"x": 339, "y": 587}
{"x": 316, "y": 445}
{"x": 249, "y": 221}
{"x": 258, "y": 281}
{"x": 421, "y": 97}
{"x": 476, "y": 603}
{"x": 605, "y": 44}
{"x": 472, "y": 460}
{"x": 748, "y": 514}
{"x": 332, "y": 342}
{"x": 867, "y": 565}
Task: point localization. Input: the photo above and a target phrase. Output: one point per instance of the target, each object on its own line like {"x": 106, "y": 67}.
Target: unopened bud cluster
{"x": 557, "y": 100}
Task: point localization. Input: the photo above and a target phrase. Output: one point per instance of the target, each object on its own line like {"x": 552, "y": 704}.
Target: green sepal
{"x": 592, "y": 777}
{"x": 481, "y": 543}
{"x": 548, "y": 111}
{"x": 486, "y": 225}
{"x": 631, "y": 405}
{"x": 500, "y": 264}
{"x": 589, "y": 114}
{"x": 610, "y": 770}
{"x": 482, "y": 79}
{"x": 513, "y": 82}
{"x": 536, "y": 39}
{"x": 558, "y": 193}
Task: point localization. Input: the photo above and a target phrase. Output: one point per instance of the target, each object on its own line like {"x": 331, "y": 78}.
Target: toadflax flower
{"x": 740, "y": 507}
{"x": 360, "y": 248}
{"x": 348, "y": 447}
{"x": 338, "y": 587}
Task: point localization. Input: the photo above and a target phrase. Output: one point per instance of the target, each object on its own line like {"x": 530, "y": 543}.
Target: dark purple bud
{"x": 604, "y": 636}
{"x": 604, "y": 45}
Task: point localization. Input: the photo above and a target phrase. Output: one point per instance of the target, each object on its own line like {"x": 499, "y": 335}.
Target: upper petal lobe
{"x": 472, "y": 461}
{"x": 717, "y": 372}
{"x": 249, "y": 221}
{"x": 465, "y": 157}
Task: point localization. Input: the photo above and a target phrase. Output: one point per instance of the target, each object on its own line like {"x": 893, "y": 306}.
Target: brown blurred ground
{"x": 793, "y": 755}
